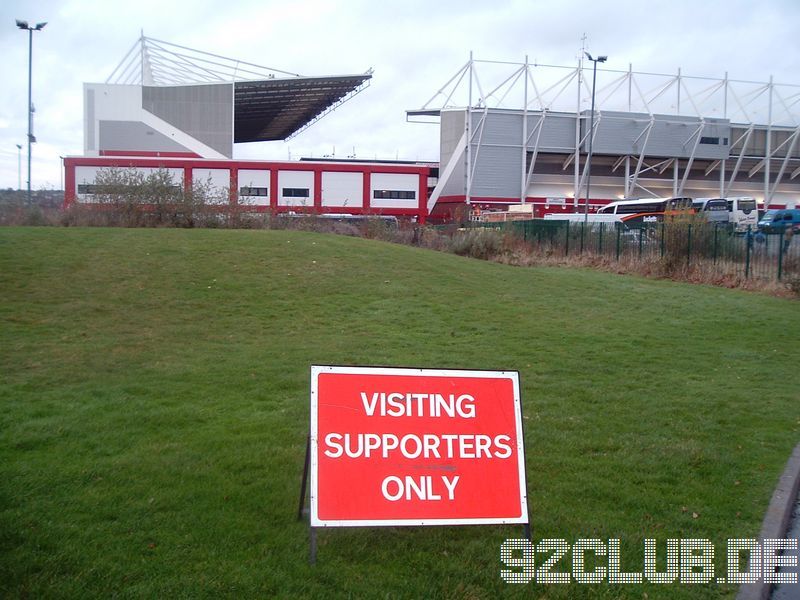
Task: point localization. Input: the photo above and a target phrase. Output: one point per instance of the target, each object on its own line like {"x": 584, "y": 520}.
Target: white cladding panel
{"x": 343, "y": 189}
{"x": 295, "y": 180}
{"x": 107, "y": 103}
{"x": 252, "y": 178}
{"x": 397, "y": 182}
{"x": 88, "y": 175}
{"x": 216, "y": 182}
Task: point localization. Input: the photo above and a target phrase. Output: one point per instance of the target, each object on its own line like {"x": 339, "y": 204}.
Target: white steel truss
{"x": 749, "y": 106}
{"x": 156, "y": 62}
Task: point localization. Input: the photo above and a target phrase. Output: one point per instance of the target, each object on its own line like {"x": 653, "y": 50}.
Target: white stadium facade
{"x": 510, "y": 133}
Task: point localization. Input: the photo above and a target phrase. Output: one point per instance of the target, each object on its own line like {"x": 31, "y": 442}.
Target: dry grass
{"x": 701, "y": 271}
{"x": 490, "y": 244}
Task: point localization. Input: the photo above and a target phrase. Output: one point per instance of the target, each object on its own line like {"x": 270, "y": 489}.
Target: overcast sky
{"x": 413, "y": 46}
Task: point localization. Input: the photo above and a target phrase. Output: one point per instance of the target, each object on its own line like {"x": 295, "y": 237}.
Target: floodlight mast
{"x": 38, "y": 27}
{"x": 601, "y": 59}
{"x": 19, "y": 166}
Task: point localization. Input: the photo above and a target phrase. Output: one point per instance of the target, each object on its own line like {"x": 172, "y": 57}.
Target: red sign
{"x": 397, "y": 446}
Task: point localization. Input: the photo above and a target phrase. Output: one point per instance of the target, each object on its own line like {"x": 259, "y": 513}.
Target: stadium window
{"x": 295, "y": 193}
{"x": 710, "y": 140}
{"x": 394, "y": 194}
{"x": 253, "y": 191}
{"x": 92, "y": 188}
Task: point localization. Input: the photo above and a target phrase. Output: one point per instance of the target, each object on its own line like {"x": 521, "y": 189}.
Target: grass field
{"x": 154, "y": 410}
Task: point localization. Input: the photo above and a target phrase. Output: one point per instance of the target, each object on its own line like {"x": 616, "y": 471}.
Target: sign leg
{"x": 312, "y": 555}
{"x": 304, "y": 480}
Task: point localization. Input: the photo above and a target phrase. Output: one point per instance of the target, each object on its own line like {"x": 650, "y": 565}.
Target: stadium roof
{"x": 275, "y": 109}
{"x": 269, "y": 104}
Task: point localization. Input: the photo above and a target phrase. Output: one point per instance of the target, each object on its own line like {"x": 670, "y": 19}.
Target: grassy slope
{"x": 154, "y": 406}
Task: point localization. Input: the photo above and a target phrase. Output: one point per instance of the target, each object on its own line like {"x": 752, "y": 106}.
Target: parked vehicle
{"x": 743, "y": 213}
{"x": 650, "y": 210}
{"x": 779, "y": 220}
{"x": 715, "y": 210}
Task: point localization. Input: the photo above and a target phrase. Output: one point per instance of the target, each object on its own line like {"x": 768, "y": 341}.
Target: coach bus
{"x": 715, "y": 210}
{"x": 649, "y": 210}
{"x": 743, "y": 213}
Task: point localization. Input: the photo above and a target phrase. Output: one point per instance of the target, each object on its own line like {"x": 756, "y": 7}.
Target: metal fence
{"x": 751, "y": 254}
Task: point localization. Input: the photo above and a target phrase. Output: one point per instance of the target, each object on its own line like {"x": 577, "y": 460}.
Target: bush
{"x": 794, "y": 286}
{"x": 482, "y": 243}
{"x": 131, "y": 198}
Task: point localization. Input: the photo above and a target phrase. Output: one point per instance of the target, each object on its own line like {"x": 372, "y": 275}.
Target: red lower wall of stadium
{"x": 186, "y": 164}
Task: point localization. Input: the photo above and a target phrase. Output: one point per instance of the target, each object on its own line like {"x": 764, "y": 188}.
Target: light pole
{"x": 601, "y": 59}
{"x": 19, "y": 166}
{"x": 38, "y": 27}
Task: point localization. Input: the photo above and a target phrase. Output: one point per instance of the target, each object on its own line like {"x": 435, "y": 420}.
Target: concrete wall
{"x": 345, "y": 190}
{"x": 214, "y": 183}
{"x": 114, "y": 118}
{"x": 203, "y": 111}
{"x": 126, "y": 135}
{"x": 255, "y": 178}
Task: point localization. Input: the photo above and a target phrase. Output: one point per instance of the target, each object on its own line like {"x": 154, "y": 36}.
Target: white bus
{"x": 743, "y": 213}
{"x": 648, "y": 210}
{"x": 631, "y": 212}
{"x": 715, "y": 210}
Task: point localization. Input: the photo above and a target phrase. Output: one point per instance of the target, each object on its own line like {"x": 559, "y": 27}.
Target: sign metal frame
{"x": 313, "y": 449}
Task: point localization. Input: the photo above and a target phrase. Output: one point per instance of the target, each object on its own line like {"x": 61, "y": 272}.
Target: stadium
{"x": 510, "y": 133}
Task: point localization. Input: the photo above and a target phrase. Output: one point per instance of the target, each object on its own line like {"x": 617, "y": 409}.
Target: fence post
{"x": 566, "y": 247}
{"x": 688, "y": 244}
{"x": 583, "y": 230}
{"x": 662, "y": 239}
{"x": 619, "y": 235}
{"x": 600, "y": 240}
{"x": 780, "y": 254}
{"x": 748, "y": 244}
{"x": 641, "y": 236}
{"x": 716, "y": 233}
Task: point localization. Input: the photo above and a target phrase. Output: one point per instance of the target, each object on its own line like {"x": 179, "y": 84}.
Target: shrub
{"x": 483, "y": 243}
{"x": 794, "y": 286}
{"x": 131, "y": 198}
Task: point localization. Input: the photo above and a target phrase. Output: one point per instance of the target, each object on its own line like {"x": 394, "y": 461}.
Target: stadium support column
{"x": 188, "y": 181}
{"x": 768, "y": 152}
{"x": 318, "y": 190}
{"x": 233, "y": 192}
{"x": 422, "y": 206}
{"x": 69, "y": 183}
{"x": 730, "y": 138}
{"x": 577, "y": 166}
{"x": 273, "y": 189}
{"x": 626, "y": 188}
{"x": 468, "y": 129}
{"x": 675, "y": 161}
{"x": 523, "y": 170}
{"x": 367, "y": 190}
